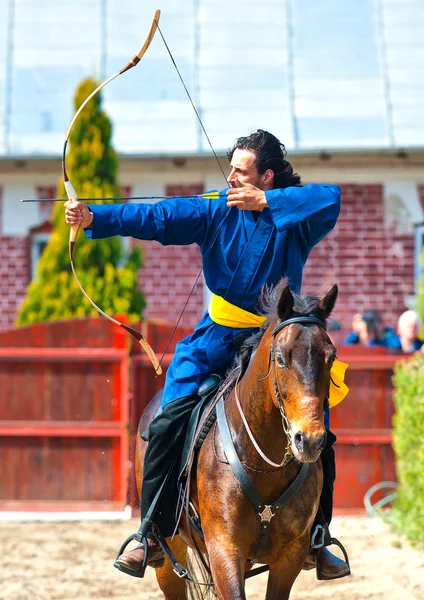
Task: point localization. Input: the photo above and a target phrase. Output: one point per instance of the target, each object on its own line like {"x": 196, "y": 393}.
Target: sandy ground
{"x": 67, "y": 561}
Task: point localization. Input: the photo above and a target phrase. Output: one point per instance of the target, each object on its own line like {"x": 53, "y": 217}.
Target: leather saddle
{"x": 207, "y": 392}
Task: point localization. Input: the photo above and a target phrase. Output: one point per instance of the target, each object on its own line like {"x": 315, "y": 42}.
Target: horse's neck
{"x": 263, "y": 418}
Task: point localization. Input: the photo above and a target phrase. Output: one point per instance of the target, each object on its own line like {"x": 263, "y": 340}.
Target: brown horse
{"x": 282, "y": 383}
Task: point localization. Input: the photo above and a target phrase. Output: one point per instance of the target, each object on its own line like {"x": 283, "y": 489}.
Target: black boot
{"x": 159, "y": 498}
{"x": 133, "y": 562}
{"x": 327, "y": 565}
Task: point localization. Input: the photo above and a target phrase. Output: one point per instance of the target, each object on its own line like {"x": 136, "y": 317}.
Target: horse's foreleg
{"x": 227, "y": 566}
{"x": 283, "y": 574}
{"x": 172, "y": 586}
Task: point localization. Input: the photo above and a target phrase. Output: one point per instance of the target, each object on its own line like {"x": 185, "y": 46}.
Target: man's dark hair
{"x": 270, "y": 154}
{"x": 372, "y": 319}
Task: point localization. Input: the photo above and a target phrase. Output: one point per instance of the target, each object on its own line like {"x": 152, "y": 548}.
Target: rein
{"x": 252, "y": 438}
{"x": 265, "y": 511}
{"x": 305, "y": 320}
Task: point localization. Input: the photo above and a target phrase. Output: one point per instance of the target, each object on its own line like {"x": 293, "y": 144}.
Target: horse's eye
{"x": 281, "y": 361}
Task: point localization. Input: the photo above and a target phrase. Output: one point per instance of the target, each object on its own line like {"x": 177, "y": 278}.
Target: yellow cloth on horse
{"x": 338, "y": 388}
{"x": 224, "y": 313}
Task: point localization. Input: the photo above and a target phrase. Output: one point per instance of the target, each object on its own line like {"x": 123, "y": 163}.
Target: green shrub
{"x": 408, "y": 513}
{"x": 107, "y": 272}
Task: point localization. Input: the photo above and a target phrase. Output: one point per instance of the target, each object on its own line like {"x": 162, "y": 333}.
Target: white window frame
{"x": 419, "y": 247}
{"x": 38, "y": 243}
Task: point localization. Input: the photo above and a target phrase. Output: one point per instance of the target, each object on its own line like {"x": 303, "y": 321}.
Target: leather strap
{"x": 305, "y": 320}
{"x": 266, "y": 511}
{"x": 294, "y": 487}
{"x": 235, "y": 463}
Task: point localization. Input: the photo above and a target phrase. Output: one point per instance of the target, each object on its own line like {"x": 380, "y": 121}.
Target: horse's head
{"x": 302, "y": 355}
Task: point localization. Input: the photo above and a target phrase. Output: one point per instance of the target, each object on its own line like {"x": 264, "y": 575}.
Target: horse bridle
{"x": 301, "y": 320}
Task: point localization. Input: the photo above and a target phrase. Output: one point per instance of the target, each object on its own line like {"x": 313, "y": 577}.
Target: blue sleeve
{"x": 314, "y": 207}
{"x": 180, "y": 221}
{"x": 392, "y": 341}
{"x": 352, "y": 338}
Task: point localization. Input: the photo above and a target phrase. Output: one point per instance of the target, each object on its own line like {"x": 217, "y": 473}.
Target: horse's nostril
{"x": 321, "y": 441}
{"x": 305, "y": 443}
{"x": 298, "y": 440}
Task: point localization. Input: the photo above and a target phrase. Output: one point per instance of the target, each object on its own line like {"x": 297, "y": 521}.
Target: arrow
{"x": 209, "y": 195}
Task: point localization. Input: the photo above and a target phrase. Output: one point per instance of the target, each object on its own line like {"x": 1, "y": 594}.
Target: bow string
{"x": 72, "y": 196}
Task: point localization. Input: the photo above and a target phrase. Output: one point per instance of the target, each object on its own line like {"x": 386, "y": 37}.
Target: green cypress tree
{"x": 106, "y": 271}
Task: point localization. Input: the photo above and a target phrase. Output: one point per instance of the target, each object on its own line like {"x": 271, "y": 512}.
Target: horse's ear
{"x": 327, "y": 303}
{"x": 285, "y": 304}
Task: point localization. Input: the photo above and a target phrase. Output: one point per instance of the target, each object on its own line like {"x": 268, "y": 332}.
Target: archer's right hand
{"x": 78, "y": 213}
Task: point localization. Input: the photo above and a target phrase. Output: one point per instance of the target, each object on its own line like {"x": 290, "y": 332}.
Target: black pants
{"x": 328, "y": 460}
{"x": 166, "y": 438}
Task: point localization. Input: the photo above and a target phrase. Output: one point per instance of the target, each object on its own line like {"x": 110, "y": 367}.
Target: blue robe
{"x": 239, "y": 255}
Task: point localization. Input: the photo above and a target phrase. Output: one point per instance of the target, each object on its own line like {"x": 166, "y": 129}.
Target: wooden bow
{"x": 73, "y": 198}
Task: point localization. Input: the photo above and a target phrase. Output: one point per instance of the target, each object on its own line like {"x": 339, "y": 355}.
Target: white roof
{"x": 325, "y": 74}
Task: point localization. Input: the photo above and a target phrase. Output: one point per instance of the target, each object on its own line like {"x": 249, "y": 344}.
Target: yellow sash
{"x": 224, "y": 313}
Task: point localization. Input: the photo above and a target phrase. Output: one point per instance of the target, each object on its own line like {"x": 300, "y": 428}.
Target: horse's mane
{"x": 268, "y": 307}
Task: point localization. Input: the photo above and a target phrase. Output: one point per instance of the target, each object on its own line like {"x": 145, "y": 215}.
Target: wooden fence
{"x": 68, "y": 413}
{"x": 363, "y": 425}
{"x": 72, "y": 392}
{"x": 64, "y": 417}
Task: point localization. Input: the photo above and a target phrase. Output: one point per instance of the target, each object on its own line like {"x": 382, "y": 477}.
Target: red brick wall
{"x": 14, "y": 277}
{"x": 169, "y": 273}
{"x": 166, "y": 280}
{"x": 373, "y": 266}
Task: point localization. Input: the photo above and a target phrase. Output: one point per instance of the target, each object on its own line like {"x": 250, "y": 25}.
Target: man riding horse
{"x": 261, "y": 232}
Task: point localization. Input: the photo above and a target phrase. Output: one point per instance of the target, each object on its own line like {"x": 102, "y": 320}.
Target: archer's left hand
{"x": 247, "y": 197}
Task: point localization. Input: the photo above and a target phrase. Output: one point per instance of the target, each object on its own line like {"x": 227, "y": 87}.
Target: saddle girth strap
{"x": 265, "y": 511}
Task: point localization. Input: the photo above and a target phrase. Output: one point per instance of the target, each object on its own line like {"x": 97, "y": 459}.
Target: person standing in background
{"x": 408, "y": 329}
